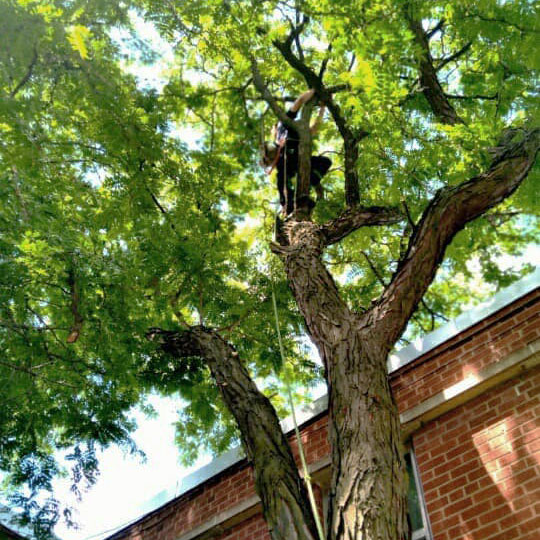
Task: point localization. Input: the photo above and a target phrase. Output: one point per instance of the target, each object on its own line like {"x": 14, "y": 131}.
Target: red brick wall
{"x": 219, "y": 494}
{"x": 492, "y": 339}
{"x": 480, "y": 465}
{"x": 254, "y": 528}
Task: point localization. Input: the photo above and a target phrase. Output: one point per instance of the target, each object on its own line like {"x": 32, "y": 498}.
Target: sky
{"x": 128, "y": 488}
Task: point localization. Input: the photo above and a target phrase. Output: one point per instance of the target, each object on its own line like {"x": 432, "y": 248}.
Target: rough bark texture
{"x": 449, "y": 211}
{"x": 277, "y": 481}
{"x": 355, "y": 218}
{"x": 302, "y": 201}
{"x": 367, "y": 498}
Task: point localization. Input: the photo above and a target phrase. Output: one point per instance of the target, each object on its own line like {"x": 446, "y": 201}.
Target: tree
{"x": 133, "y": 261}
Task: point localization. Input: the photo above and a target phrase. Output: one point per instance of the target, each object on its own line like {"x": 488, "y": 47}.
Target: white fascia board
{"x": 467, "y": 319}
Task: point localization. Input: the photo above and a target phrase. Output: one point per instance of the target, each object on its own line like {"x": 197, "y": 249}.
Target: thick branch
{"x": 430, "y": 85}
{"x": 278, "y": 483}
{"x": 355, "y": 218}
{"x": 449, "y": 211}
{"x": 314, "y": 288}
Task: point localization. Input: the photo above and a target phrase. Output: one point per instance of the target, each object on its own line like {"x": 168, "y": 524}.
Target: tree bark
{"x": 449, "y": 211}
{"x": 367, "y": 498}
{"x": 351, "y": 139}
{"x": 429, "y": 82}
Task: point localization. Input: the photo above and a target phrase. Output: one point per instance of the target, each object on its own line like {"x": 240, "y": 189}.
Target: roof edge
{"x": 468, "y": 318}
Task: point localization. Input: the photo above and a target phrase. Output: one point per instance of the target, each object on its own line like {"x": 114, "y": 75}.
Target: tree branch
{"x": 27, "y": 75}
{"x": 78, "y": 320}
{"x": 475, "y": 96}
{"x": 374, "y": 269}
{"x": 351, "y": 137}
{"x": 430, "y": 85}
{"x": 355, "y": 218}
{"x": 454, "y": 56}
{"x": 448, "y": 212}
{"x": 259, "y": 83}
{"x": 435, "y": 29}
{"x": 277, "y": 480}
{"x": 324, "y": 63}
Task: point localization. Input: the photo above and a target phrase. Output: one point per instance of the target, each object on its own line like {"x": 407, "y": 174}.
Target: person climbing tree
{"x": 282, "y": 154}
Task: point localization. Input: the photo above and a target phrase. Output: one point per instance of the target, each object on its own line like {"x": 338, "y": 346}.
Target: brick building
{"x": 468, "y": 397}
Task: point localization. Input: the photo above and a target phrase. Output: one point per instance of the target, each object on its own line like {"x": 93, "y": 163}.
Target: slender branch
{"x": 434, "y": 314}
{"x": 374, "y": 269}
{"x": 454, "y": 56}
{"x": 30, "y": 372}
{"x": 409, "y": 217}
{"x": 324, "y": 63}
{"x": 351, "y": 63}
{"x": 435, "y": 29}
{"x": 75, "y": 299}
{"x": 19, "y": 195}
{"x": 27, "y": 75}
{"x": 448, "y": 212}
{"x": 503, "y": 21}
{"x": 475, "y": 96}
{"x": 258, "y": 81}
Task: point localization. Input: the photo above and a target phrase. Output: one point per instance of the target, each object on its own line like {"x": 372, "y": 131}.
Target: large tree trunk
{"x": 367, "y": 498}
{"x": 368, "y": 489}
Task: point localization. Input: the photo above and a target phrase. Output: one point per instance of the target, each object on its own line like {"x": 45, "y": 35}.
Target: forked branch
{"x": 350, "y": 136}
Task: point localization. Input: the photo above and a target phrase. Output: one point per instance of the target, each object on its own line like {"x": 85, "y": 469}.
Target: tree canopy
{"x": 127, "y": 206}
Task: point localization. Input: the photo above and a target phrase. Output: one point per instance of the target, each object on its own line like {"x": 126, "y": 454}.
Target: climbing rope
{"x": 307, "y": 477}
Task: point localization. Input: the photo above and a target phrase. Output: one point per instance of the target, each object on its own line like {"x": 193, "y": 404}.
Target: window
{"x": 415, "y": 498}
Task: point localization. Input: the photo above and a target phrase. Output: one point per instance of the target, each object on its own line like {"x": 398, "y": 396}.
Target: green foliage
{"x": 150, "y": 202}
